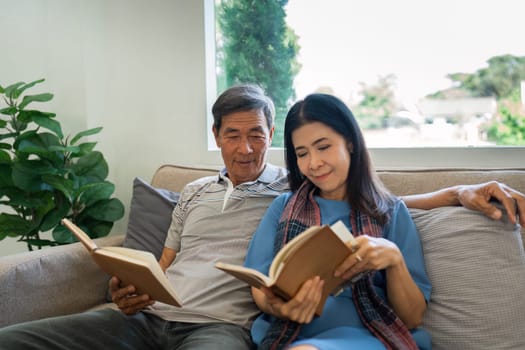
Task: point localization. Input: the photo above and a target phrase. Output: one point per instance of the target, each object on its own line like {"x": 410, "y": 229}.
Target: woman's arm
{"x": 403, "y": 294}
{"x": 399, "y": 253}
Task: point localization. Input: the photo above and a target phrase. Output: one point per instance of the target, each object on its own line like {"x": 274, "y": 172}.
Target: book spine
{"x": 281, "y": 293}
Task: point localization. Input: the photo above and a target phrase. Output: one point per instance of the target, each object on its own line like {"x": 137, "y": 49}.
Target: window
{"x": 411, "y": 73}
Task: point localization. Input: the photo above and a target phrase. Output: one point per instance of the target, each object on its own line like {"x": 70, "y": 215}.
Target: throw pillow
{"x": 477, "y": 269}
{"x": 149, "y": 217}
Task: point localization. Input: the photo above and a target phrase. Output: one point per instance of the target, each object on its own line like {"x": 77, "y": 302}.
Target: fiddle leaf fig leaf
{"x": 27, "y": 175}
{"x": 53, "y": 217}
{"x": 11, "y": 110}
{"x": 10, "y": 223}
{"x": 38, "y": 143}
{"x": 27, "y": 86}
{"x": 99, "y": 228}
{"x": 106, "y": 210}
{"x": 95, "y": 192}
{"x": 4, "y": 145}
{"x": 61, "y": 184}
{"x": 44, "y": 177}
{"x": 62, "y": 235}
{"x": 27, "y": 116}
{"x": 11, "y": 89}
{"x": 82, "y": 149}
{"x": 91, "y": 168}
{"x": 5, "y": 158}
{"x": 85, "y": 133}
{"x": 49, "y": 124}
{"x": 18, "y": 197}
{"x": 35, "y": 98}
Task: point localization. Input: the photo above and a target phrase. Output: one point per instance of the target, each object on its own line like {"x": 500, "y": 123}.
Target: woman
{"x": 331, "y": 179}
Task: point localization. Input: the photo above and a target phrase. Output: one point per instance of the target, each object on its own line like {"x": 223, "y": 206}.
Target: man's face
{"x": 244, "y": 139}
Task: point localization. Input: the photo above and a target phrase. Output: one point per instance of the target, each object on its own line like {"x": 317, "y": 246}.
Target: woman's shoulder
{"x": 395, "y": 208}
{"x": 282, "y": 199}
{"x": 398, "y": 204}
{"x": 399, "y": 214}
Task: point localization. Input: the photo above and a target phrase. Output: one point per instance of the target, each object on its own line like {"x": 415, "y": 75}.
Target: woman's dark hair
{"x": 364, "y": 190}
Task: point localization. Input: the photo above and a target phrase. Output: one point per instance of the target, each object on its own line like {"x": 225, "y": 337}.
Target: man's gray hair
{"x": 242, "y": 98}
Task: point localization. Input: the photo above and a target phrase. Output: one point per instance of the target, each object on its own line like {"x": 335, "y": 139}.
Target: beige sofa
{"x": 63, "y": 280}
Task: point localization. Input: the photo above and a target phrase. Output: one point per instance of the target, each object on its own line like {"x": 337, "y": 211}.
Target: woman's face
{"x": 323, "y": 156}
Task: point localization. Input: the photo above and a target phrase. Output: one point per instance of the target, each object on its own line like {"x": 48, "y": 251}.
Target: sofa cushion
{"x": 149, "y": 217}
{"x": 45, "y": 282}
{"x": 477, "y": 269}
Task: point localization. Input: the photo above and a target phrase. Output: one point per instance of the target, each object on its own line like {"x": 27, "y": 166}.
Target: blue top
{"x": 338, "y": 311}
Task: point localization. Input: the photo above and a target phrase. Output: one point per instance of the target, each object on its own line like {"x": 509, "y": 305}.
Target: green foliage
{"x": 509, "y": 126}
{"x": 45, "y": 176}
{"x": 377, "y": 104}
{"x": 257, "y": 46}
{"x": 499, "y": 79}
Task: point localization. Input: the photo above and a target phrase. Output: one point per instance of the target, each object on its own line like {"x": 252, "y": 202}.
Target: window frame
{"x": 384, "y": 158}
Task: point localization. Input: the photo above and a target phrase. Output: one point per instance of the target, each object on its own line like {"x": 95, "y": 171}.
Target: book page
{"x": 131, "y": 266}
{"x": 342, "y": 232}
{"x": 339, "y": 228}
{"x": 134, "y": 253}
{"x": 251, "y": 276}
{"x": 287, "y": 249}
{"x": 317, "y": 256}
{"x": 80, "y": 235}
{"x": 138, "y": 268}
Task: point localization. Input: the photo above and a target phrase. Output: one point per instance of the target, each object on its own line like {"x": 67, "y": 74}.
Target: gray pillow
{"x": 149, "y": 217}
{"x": 477, "y": 269}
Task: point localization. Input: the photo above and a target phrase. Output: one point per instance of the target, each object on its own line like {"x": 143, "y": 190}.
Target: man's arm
{"x": 167, "y": 257}
{"x": 474, "y": 197}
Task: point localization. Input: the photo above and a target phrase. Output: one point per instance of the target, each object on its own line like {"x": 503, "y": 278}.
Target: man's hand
{"x": 477, "y": 197}
{"x": 125, "y": 298}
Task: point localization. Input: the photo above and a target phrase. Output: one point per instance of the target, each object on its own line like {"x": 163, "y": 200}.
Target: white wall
{"x": 134, "y": 67}
{"x": 138, "y": 68}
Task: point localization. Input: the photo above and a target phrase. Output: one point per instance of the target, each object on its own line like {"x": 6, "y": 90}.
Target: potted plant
{"x": 45, "y": 176}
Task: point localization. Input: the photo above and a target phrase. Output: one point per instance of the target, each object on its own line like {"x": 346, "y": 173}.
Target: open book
{"x": 315, "y": 252}
{"x": 131, "y": 266}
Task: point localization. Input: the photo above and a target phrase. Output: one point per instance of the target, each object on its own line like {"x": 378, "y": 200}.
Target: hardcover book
{"x": 315, "y": 252}
{"x": 131, "y": 266}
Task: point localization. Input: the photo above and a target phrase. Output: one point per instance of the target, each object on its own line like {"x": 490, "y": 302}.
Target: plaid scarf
{"x": 302, "y": 212}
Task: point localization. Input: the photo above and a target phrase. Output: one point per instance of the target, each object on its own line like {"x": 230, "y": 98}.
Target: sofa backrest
{"x": 400, "y": 182}
{"x": 406, "y": 182}
{"x": 175, "y": 177}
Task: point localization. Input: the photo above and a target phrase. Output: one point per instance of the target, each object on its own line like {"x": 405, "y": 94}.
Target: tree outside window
{"x": 256, "y": 43}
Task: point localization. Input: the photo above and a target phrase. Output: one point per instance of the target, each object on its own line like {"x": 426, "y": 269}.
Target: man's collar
{"x": 269, "y": 174}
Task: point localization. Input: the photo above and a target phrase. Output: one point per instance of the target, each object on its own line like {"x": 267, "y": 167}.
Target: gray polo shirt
{"x": 213, "y": 221}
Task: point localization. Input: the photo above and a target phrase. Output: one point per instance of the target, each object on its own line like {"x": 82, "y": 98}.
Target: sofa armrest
{"x": 51, "y": 282}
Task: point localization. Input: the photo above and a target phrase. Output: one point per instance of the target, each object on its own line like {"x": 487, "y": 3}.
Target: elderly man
{"x": 213, "y": 220}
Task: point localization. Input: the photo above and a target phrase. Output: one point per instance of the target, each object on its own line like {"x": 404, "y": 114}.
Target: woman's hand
{"x": 370, "y": 253}
{"x": 300, "y": 308}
